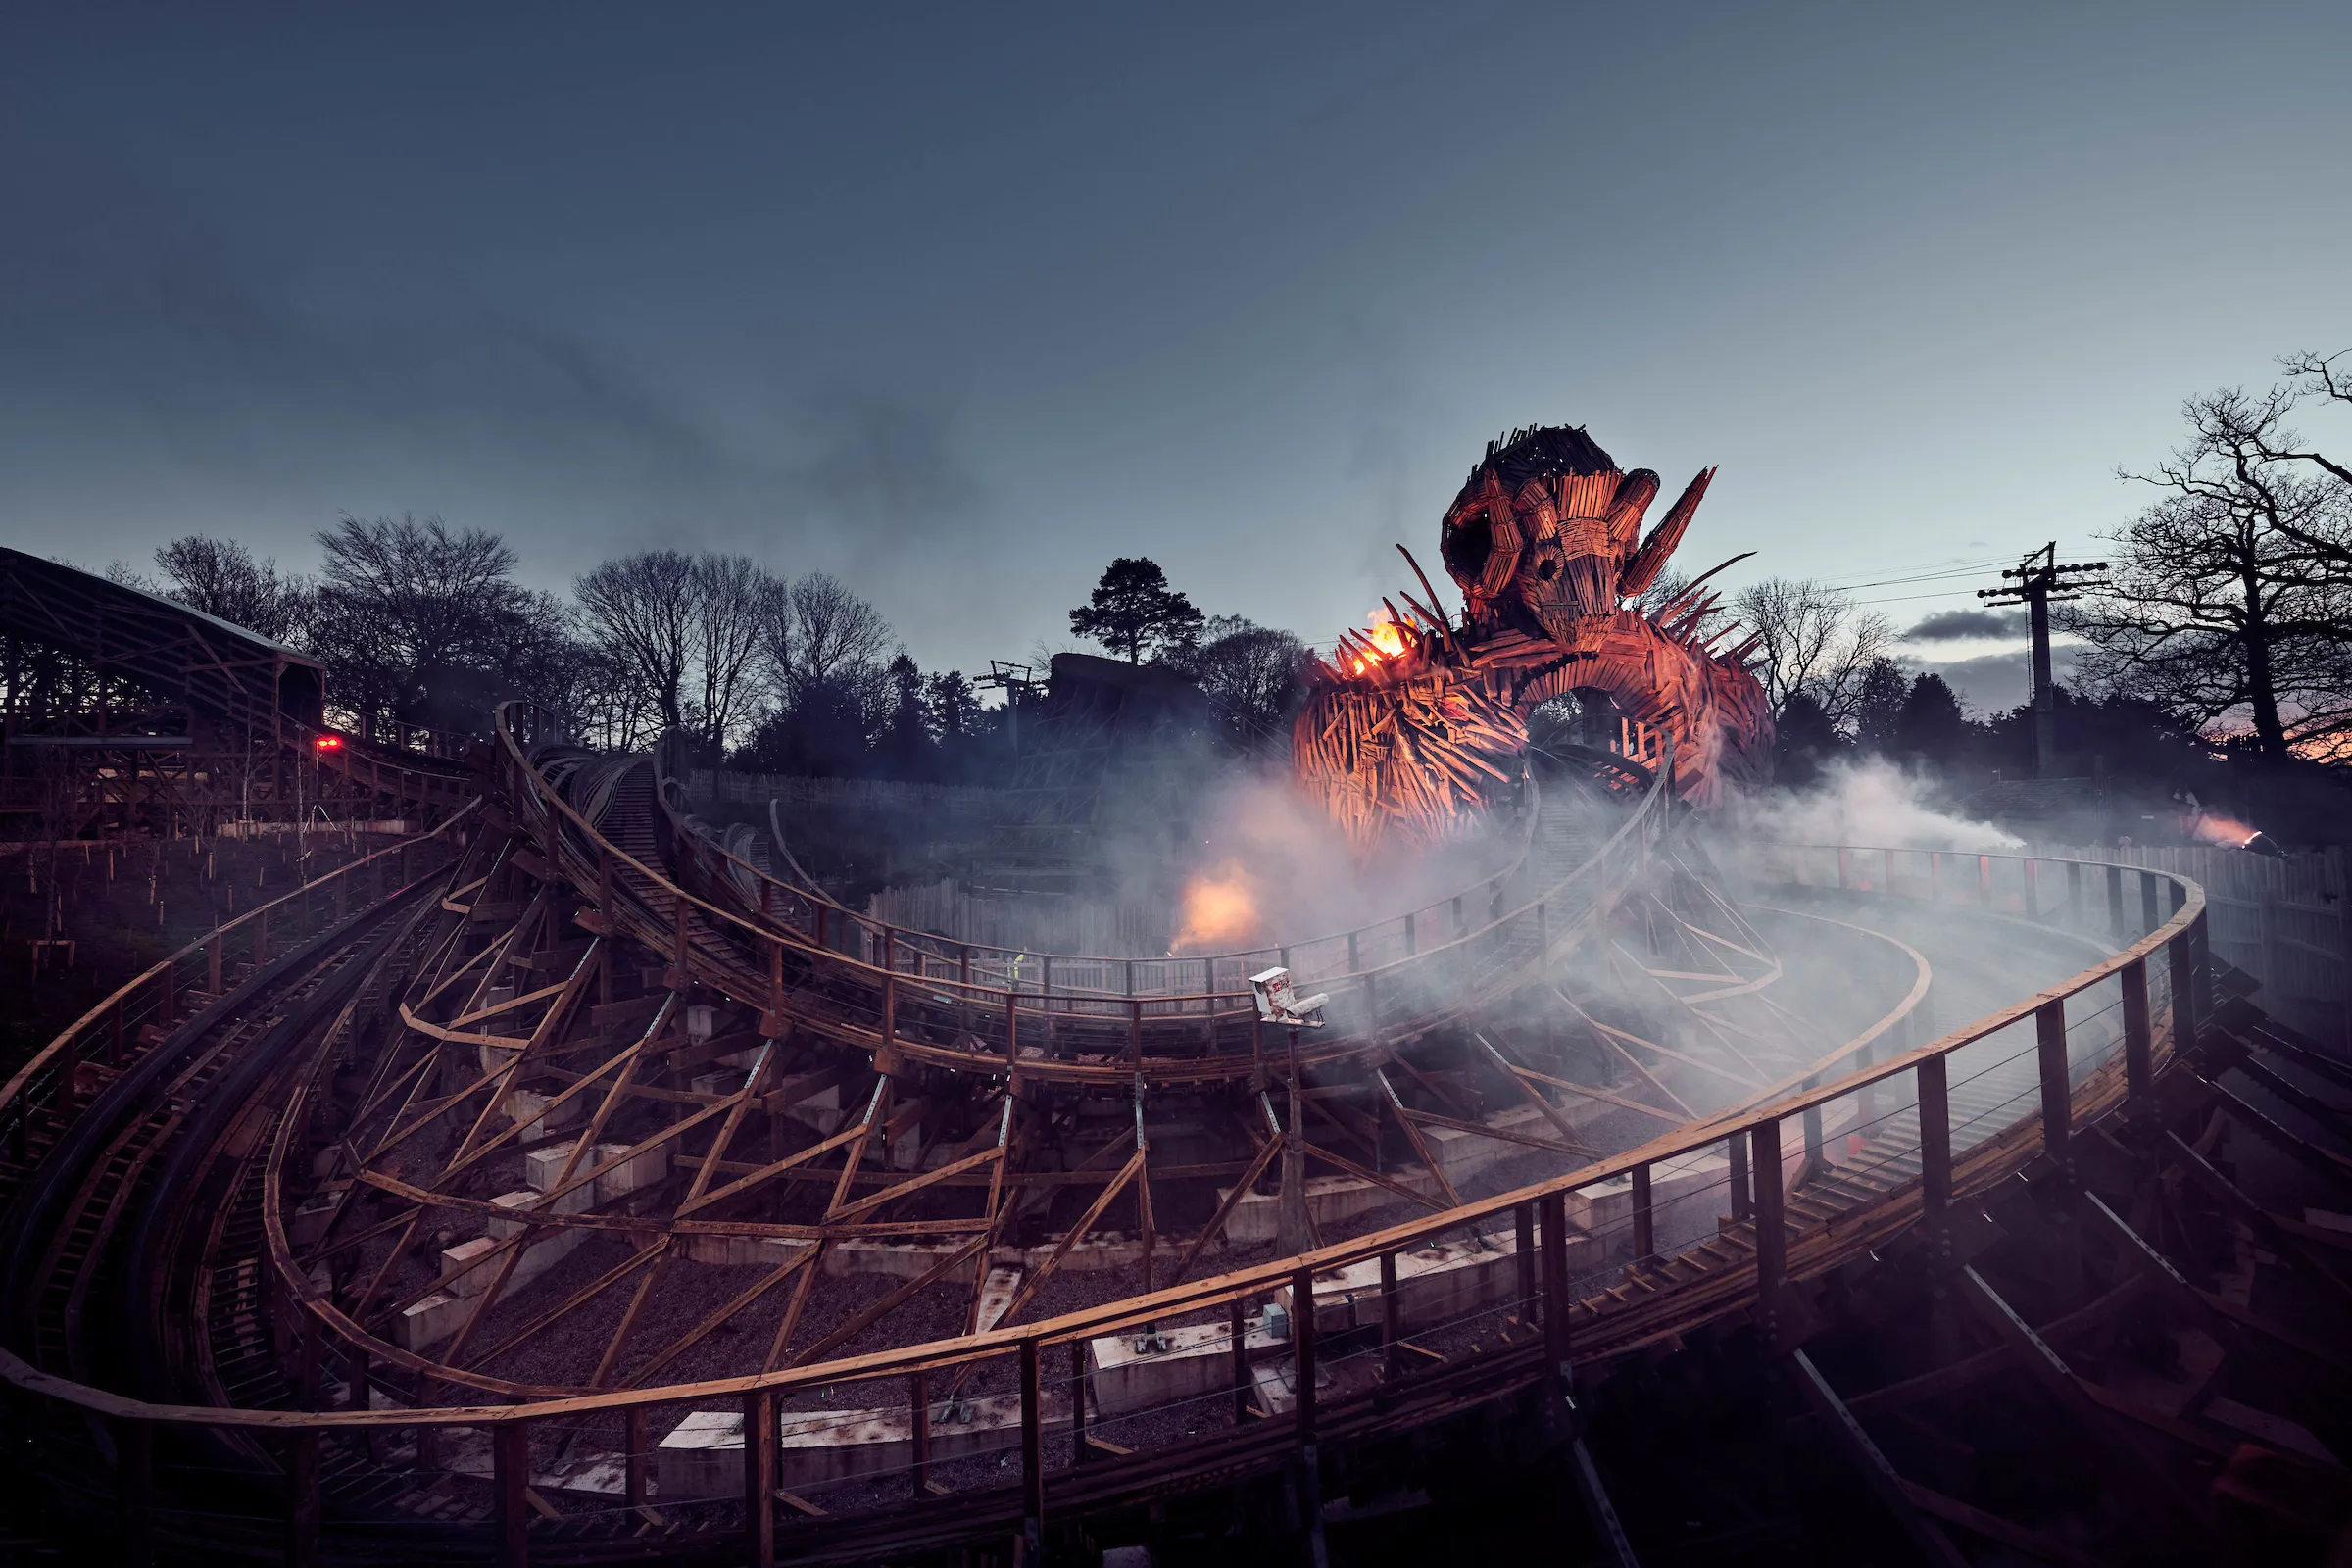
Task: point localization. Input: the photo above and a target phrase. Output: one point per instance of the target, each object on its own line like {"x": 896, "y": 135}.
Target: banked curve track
{"x": 168, "y": 1355}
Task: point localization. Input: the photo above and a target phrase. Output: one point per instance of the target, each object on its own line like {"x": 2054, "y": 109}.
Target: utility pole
{"x": 1018, "y": 683}
{"x": 2040, "y": 582}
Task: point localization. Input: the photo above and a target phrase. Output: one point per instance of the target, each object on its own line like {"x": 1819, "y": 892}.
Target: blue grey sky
{"x": 958, "y": 303}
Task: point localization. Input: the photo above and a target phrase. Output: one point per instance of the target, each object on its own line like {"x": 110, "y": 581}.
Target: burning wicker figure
{"x": 1410, "y": 723}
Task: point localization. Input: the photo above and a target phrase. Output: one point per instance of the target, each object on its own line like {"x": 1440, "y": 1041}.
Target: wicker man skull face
{"x": 1545, "y": 534}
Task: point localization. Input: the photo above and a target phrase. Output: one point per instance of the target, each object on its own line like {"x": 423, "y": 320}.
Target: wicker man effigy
{"x": 1411, "y": 724}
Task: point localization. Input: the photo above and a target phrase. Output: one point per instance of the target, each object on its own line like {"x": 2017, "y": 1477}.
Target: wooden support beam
{"x": 2151, "y": 1482}
{"x": 510, "y": 1483}
{"x": 1033, "y": 1456}
{"x": 1412, "y": 1135}
{"x": 759, "y": 1477}
{"x": 877, "y": 1310}
{"x": 1216, "y": 1224}
{"x": 2033, "y": 1542}
{"x": 1846, "y": 1433}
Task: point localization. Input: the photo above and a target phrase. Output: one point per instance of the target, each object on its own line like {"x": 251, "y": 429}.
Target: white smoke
{"x": 1873, "y": 803}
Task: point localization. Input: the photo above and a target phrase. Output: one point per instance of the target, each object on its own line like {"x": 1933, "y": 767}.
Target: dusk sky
{"x": 960, "y": 303}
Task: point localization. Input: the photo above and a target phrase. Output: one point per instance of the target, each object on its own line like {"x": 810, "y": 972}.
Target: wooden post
{"x": 890, "y": 1010}
{"x": 2148, "y": 920}
{"x": 1553, "y": 1209}
{"x": 510, "y": 1480}
{"x": 1303, "y": 1351}
{"x": 2057, "y": 1102}
{"x": 2139, "y": 1061}
{"x": 1935, "y": 1140}
{"x": 2181, "y": 957}
{"x": 1135, "y": 1026}
{"x": 919, "y": 1399}
{"x": 1735, "y": 1150}
{"x": 1237, "y": 1330}
{"x": 2200, "y": 973}
{"x": 1033, "y": 1458}
{"x": 1523, "y": 1226}
{"x": 134, "y": 1489}
{"x": 633, "y": 1461}
{"x": 1771, "y": 1233}
{"x": 759, "y": 1477}
{"x": 2115, "y": 902}
{"x": 1646, "y": 1220}
{"x": 212, "y": 964}
{"x": 2074, "y": 893}
{"x": 1077, "y": 1403}
{"x": 302, "y": 1486}
{"x": 1391, "y": 1340}
{"x": 1013, "y": 1036}
{"x": 1811, "y": 1119}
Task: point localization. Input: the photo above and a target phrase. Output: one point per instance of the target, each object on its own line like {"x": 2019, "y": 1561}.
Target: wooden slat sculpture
{"x": 1410, "y": 723}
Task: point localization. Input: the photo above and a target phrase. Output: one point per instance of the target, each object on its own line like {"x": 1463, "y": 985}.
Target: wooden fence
{"x": 799, "y": 793}
{"x": 2285, "y": 921}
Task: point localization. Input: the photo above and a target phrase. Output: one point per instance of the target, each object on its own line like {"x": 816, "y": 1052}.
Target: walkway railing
{"x": 936, "y": 1004}
{"x": 710, "y": 871}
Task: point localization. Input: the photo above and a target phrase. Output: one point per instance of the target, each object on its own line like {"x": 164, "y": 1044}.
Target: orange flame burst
{"x": 1385, "y": 640}
{"x": 1219, "y": 910}
{"x": 2225, "y": 831}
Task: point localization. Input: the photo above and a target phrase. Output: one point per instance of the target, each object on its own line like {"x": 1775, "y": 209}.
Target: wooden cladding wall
{"x": 2285, "y": 921}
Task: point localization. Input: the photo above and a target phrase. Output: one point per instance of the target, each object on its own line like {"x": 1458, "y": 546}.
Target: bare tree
{"x": 817, "y": 633}
{"x": 686, "y": 631}
{"x": 2229, "y": 604}
{"x": 423, "y": 624}
{"x": 639, "y": 612}
{"x": 1814, "y": 643}
{"x": 220, "y": 578}
{"x": 734, "y": 601}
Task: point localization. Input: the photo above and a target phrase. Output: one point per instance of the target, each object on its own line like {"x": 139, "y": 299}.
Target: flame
{"x": 1219, "y": 910}
{"x": 1386, "y": 637}
{"x": 2225, "y": 831}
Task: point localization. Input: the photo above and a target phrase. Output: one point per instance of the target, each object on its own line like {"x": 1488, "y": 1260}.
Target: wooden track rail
{"x": 1971, "y": 1108}
{"x": 952, "y": 1020}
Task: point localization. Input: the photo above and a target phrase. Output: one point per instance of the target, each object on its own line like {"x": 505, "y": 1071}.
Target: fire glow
{"x": 1385, "y": 640}
{"x": 2225, "y": 831}
{"x": 1219, "y": 910}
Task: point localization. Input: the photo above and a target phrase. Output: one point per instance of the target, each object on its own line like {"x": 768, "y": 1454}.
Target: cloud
{"x": 890, "y": 470}
{"x": 1955, "y": 625}
{"x": 1994, "y": 683}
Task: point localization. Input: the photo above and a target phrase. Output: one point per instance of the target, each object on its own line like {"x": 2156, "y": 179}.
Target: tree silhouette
{"x": 1134, "y": 612}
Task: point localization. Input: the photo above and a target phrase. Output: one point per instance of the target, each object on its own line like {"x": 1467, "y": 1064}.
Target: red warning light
{"x": 330, "y": 743}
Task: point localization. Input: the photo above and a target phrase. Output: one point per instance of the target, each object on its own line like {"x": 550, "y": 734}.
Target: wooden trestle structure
{"x": 122, "y": 712}
{"x": 217, "y": 1224}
